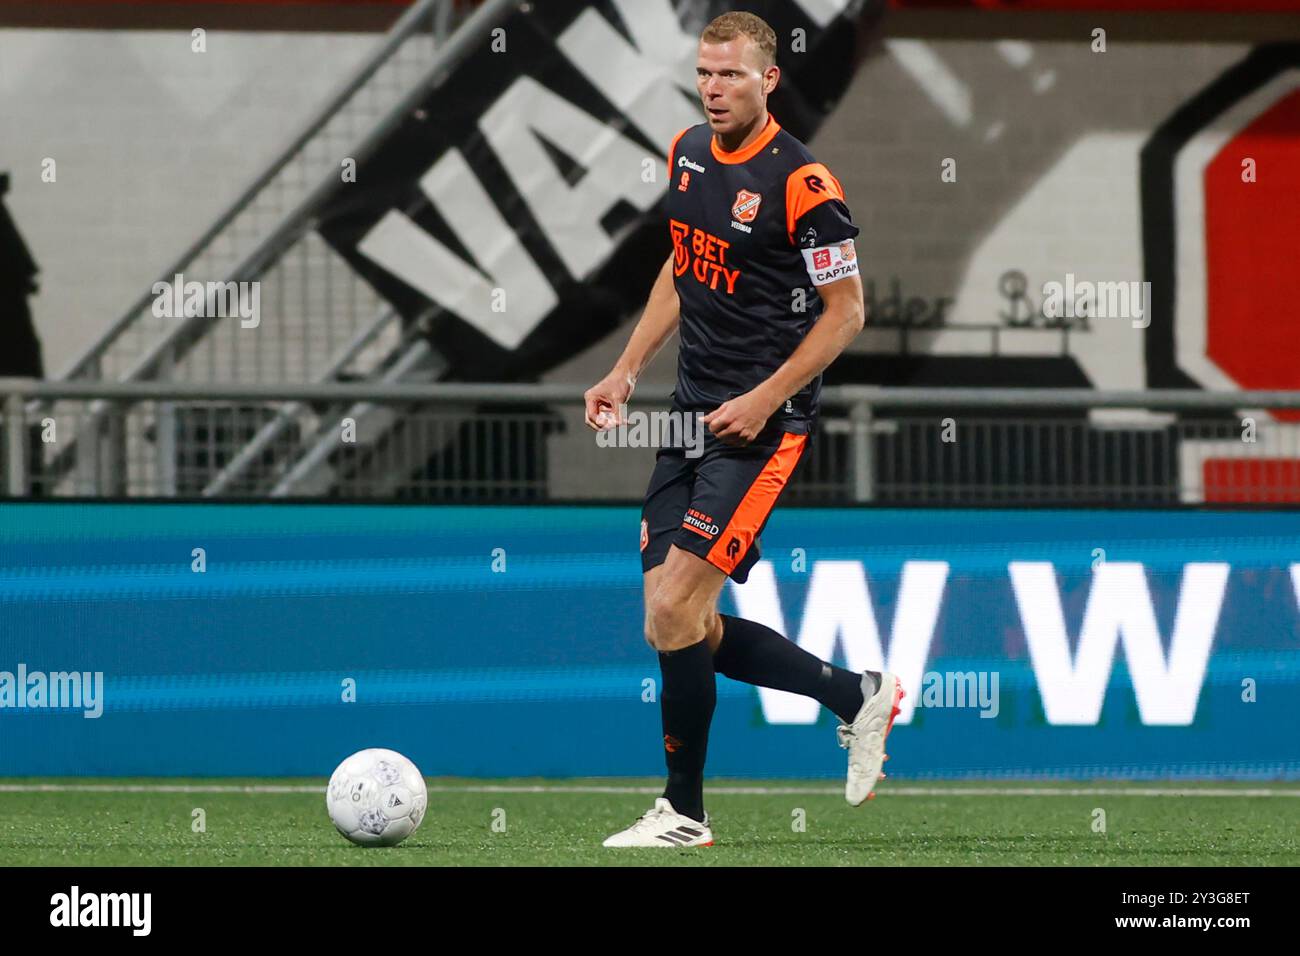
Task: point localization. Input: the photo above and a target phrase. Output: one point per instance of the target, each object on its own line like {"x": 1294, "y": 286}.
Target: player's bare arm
{"x": 738, "y": 421}
{"x": 657, "y": 323}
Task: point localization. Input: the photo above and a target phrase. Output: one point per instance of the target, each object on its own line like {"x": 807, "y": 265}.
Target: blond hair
{"x": 731, "y": 25}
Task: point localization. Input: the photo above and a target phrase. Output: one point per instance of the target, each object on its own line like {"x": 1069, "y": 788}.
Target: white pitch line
{"x": 901, "y": 791}
{"x": 724, "y": 791}
{"x": 1091, "y": 792}
{"x": 152, "y": 788}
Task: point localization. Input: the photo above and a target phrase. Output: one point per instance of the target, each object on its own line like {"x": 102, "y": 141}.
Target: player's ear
{"x": 771, "y": 76}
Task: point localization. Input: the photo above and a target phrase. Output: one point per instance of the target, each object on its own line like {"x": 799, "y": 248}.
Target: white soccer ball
{"x": 376, "y": 797}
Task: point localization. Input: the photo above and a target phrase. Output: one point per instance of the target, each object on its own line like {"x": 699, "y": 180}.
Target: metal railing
{"x": 314, "y": 308}
{"x": 252, "y": 238}
{"x": 483, "y": 442}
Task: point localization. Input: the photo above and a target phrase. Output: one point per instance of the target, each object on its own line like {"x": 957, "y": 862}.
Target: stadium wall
{"x": 1171, "y": 164}
{"x": 488, "y": 642}
{"x": 1046, "y": 135}
{"x": 151, "y": 142}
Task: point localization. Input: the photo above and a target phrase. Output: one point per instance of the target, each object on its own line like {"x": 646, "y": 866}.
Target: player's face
{"x": 733, "y": 83}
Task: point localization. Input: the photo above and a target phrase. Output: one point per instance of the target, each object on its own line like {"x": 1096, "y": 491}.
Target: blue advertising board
{"x": 274, "y": 639}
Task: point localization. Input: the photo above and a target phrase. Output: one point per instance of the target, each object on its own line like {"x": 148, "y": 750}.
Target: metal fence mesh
{"x": 311, "y": 301}
{"x": 335, "y": 443}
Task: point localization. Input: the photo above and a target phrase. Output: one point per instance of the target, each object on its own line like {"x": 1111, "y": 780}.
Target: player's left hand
{"x": 738, "y": 421}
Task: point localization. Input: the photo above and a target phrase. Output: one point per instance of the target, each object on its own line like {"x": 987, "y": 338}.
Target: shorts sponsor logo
{"x": 701, "y": 522}
{"x": 645, "y": 534}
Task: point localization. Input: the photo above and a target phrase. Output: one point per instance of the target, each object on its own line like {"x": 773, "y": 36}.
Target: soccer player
{"x": 762, "y": 239}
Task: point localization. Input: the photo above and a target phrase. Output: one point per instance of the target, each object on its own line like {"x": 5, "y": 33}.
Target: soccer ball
{"x": 376, "y": 797}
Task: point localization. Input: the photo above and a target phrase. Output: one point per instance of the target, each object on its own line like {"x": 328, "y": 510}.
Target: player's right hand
{"x": 604, "y": 398}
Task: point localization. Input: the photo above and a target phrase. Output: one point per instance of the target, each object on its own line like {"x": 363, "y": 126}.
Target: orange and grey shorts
{"x": 717, "y": 504}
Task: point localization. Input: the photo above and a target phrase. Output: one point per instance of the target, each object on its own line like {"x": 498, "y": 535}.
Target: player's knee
{"x": 650, "y": 632}
{"x": 671, "y": 623}
{"x": 713, "y": 630}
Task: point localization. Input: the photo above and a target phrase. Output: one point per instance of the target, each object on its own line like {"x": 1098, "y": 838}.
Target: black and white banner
{"x": 516, "y": 205}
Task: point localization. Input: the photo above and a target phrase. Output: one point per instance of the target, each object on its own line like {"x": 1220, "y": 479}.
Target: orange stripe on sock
{"x": 758, "y": 501}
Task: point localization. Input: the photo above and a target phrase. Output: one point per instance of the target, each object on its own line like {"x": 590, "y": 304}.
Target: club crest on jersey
{"x": 745, "y": 208}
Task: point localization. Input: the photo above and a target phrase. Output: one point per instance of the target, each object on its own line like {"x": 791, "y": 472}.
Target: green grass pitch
{"x": 561, "y": 823}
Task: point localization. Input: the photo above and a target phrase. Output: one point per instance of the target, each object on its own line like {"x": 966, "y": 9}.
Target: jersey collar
{"x": 750, "y": 151}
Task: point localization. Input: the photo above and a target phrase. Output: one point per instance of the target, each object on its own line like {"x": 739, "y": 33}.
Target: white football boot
{"x": 664, "y": 826}
{"x": 864, "y": 739}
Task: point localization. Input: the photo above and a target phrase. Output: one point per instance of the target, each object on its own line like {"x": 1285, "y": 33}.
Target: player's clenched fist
{"x": 739, "y": 420}
{"x": 604, "y": 398}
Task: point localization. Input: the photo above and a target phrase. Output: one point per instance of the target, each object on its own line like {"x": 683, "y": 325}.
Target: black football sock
{"x": 755, "y": 654}
{"x": 686, "y": 701}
